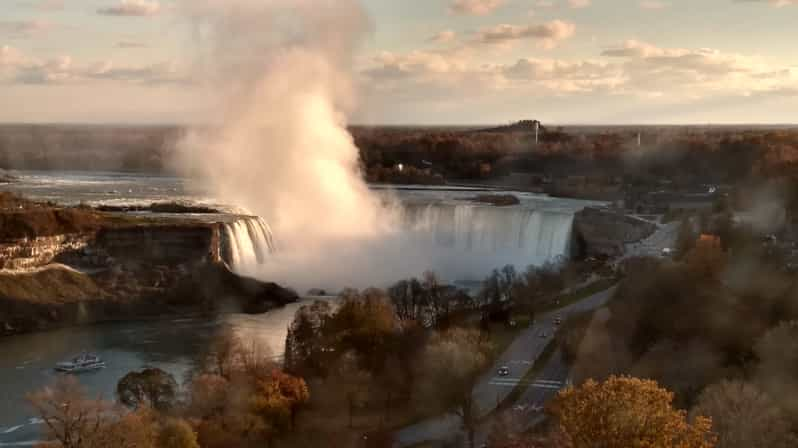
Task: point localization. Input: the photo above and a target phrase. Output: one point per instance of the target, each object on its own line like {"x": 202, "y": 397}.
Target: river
{"x": 174, "y": 345}
{"x": 471, "y": 238}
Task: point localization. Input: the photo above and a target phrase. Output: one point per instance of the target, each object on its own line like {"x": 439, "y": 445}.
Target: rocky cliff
{"x": 64, "y": 266}
{"x": 603, "y": 232}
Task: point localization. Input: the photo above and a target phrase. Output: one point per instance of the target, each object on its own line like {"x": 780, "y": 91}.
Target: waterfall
{"x": 470, "y": 239}
{"x": 248, "y": 242}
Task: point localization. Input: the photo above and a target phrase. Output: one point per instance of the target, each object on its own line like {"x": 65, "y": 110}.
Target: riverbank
{"x": 64, "y": 266}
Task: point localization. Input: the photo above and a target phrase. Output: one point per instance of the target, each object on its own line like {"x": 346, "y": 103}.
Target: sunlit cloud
{"x": 578, "y": 4}
{"x": 474, "y": 7}
{"x": 133, "y": 8}
{"x": 548, "y": 34}
{"x": 775, "y": 3}
{"x": 443, "y": 37}
{"x": 653, "y": 4}
{"x": 24, "y": 29}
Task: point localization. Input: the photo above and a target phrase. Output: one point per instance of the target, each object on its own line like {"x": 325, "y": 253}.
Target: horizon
{"x": 470, "y": 61}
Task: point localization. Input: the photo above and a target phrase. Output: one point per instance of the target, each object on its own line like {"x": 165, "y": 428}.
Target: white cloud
{"x": 548, "y": 34}
{"x": 474, "y": 7}
{"x": 44, "y": 5}
{"x": 637, "y": 69}
{"x": 9, "y": 57}
{"x": 133, "y": 8}
{"x": 131, "y": 44}
{"x": 653, "y": 4}
{"x": 443, "y": 37}
{"x": 18, "y": 68}
{"x": 578, "y": 4}
{"x": 24, "y": 29}
{"x": 775, "y": 3}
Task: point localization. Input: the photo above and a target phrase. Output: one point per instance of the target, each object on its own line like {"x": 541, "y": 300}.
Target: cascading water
{"x": 248, "y": 242}
{"x": 473, "y": 239}
{"x": 458, "y": 240}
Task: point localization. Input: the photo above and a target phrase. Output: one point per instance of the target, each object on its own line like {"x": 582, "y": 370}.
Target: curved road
{"x": 491, "y": 389}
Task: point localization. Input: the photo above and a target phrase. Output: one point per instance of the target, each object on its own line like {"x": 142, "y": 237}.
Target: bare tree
{"x": 71, "y": 418}
{"x": 744, "y": 417}
{"x": 451, "y": 366}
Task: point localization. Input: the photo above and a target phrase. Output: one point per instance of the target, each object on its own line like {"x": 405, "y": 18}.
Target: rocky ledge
{"x": 63, "y": 266}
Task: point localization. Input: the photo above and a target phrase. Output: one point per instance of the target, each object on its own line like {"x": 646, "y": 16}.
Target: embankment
{"x": 68, "y": 266}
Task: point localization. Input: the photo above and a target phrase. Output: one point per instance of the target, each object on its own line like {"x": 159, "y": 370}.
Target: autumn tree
{"x": 366, "y": 324}
{"x": 744, "y": 417}
{"x": 207, "y": 395}
{"x": 224, "y": 351}
{"x": 777, "y": 370}
{"x": 624, "y": 412}
{"x": 306, "y": 349}
{"x": 278, "y": 397}
{"x": 685, "y": 238}
{"x": 177, "y": 433}
{"x": 451, "y": 365}
{"x": 706, "y": 258}
{"x": 71, "y": 418}
{"x": 150, "y": 387}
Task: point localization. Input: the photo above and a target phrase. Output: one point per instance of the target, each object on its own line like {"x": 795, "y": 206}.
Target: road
{"x": 492, "y": 389}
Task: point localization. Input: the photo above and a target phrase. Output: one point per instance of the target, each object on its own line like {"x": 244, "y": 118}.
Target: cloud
{"x": 775, "y": 3}
{"x": 9, "y": 57}
{"x": 57, "y": 70}
{"x": 548, "y": 34}
{"x": 44, "y": 5}
{"x": 131, "y": 44}
{"x": 443, "y": 37}
{"x": 635, "y": 69}
{"x": 474, "y": 7}
{"x": 578, "y": 4}
{"x": 24, "y": 29}
{"x": 653, "y": 4}
{"x": 18, "y": 68}
{"x": 565, "y": 76}
{"x": 132, "y": 8}
{"x": 160, "y": 73}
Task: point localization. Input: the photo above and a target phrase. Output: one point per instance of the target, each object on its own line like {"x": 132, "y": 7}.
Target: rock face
{"x": 603, "y": 232}
{"x": 67, "y": 266}
{"x": 28, "y": 253}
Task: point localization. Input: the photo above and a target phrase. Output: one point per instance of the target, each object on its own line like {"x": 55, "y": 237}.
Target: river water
{"x": 174, "y": 345}
{"x": 480, "y": 237}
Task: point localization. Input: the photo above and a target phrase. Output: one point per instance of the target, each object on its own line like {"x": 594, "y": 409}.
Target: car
{"x": 503, "y": 371}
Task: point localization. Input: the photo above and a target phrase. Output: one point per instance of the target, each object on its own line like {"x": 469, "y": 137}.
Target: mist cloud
{"x": 281, "y": 74}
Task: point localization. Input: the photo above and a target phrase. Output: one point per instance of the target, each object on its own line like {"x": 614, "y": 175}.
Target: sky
{"x": 432, "y": 62}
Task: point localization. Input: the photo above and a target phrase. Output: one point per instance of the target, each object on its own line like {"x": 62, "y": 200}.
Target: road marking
{"x": 513, "y": 382}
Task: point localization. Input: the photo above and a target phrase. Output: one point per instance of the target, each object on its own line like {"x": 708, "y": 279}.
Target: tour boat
{"x": 84, "y": 363}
